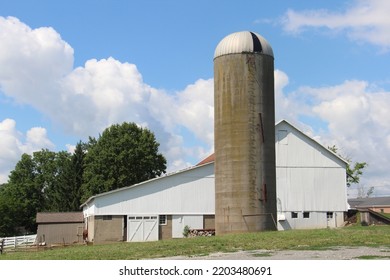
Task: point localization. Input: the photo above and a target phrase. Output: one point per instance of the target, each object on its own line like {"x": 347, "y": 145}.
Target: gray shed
{"x": 60, "y": 228}
{"x": 372, "y": 210}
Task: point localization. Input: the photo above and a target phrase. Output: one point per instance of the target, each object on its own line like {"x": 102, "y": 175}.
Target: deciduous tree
{"x": 123, "y": 155}
{"x": 354, "y": 170}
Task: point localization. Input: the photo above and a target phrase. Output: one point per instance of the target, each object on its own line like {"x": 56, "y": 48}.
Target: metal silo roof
{"x": 243, "y": 42}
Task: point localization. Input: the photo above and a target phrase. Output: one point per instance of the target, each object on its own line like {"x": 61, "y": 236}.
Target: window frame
{"x": 162, "y": 220}
{"x": 294, "y": 215}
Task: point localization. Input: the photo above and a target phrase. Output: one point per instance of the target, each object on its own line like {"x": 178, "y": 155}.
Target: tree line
{"x": 46, "y": 181}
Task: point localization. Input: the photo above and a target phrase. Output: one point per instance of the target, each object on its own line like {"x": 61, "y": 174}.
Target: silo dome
{"x": 243, "y": 42}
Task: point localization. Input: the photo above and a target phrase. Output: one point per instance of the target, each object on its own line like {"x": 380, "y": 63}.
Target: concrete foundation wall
{"x": 165, "y": 231}
{"x": 209, "y": 222}
{"x": 108, "y": 229}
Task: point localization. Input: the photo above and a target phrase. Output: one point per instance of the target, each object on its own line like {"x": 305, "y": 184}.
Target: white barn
{"x": 310, "y": 181}
{"x": 311, "y": 193}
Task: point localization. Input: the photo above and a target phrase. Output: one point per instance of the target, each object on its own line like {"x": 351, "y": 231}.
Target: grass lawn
{"x": 386, "y": 215}
{"x": 319, "y": 239}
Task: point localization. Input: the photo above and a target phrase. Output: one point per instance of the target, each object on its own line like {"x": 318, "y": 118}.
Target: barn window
{"x": 294, "y": 215}
{"x": 382, "y": 210}
{"x": 329, "y": 215}
{"x": 163, "y": 220}
{"x": 306, "y": 215}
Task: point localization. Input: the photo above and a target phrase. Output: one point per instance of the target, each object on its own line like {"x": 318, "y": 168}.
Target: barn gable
{"x": 309, "y": 176}
{"x": 305, "y": 152}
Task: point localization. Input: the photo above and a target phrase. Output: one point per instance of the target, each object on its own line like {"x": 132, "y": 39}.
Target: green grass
{"x": 320, "y": 239}
{"x": 372, "y": 257}
{"x": 386, "y": 215}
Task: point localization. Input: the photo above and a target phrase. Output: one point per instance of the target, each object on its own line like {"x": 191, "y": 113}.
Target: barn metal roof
{"x": 367, "y": 202}
{"x": 243, "y": 42}
{"x": 59, "y": 217}
{"x": 142, "y": 183}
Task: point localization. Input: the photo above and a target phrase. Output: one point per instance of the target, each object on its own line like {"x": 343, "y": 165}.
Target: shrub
{"x": 186, "y": 231}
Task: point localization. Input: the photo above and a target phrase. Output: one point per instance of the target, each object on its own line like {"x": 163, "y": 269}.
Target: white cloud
{"x": 36, "y": 138}
{"x": 32, "y": 62}
{"x": 70, "y": 148}
{"x": 284, "y": 107}
{"x": 37, "y": 70}
{"x": 357, "y": 122}
{"x": 13, "y": 144}
{"x": 365, "y": 20}
{"x": 99, "y": 94}
{"x": 195, "y": 109}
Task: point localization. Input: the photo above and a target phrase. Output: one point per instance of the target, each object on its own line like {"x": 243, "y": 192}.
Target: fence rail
{"x": 12, "y": 243}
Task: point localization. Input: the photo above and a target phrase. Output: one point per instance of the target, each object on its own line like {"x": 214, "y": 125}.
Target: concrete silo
{"x": 244, "y": 127}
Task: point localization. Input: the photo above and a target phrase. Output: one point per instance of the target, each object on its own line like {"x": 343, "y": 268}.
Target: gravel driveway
{"x": 336, "y": 253}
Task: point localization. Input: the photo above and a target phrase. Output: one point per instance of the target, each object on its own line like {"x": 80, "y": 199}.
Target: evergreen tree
{"x": 77, "y": 171}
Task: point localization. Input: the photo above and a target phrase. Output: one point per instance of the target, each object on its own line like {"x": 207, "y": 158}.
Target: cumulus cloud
{"x": 37, "y": 69}
{"x": 196, "y": 109}
{"x": 14, "y": 143}
{"x": 32, "y": 61}
{"x": 99, "y": 94}
{"x": 365, "y": 21}
{"x": 356, "y": 121}
{"x": 108, "y": 91}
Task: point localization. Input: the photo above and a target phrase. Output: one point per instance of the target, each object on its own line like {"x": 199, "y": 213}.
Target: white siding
{"x": 187, "y": 192}
{"x": 180, "y": 221}
{"x": 315, "y": 220}
{"x": 311, "y": 189}
{"x": 308, "y": 176}
{"x": 88, "y": 210}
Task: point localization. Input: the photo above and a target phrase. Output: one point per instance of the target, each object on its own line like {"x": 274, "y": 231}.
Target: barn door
{"x": 142, "y": 228}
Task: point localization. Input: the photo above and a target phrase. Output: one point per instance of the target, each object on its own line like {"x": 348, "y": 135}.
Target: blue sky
{"x": 69, "y": 69}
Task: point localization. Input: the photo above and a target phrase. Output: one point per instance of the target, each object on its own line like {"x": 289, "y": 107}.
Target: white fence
{"x": 12, "y": 243}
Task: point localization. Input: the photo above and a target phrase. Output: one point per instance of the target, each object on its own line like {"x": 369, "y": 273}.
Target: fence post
{"x": 1, "y": 246}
